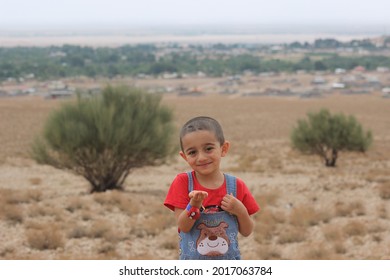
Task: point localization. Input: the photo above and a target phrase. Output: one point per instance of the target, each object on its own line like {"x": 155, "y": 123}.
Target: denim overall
{"x": 214, "y": 235}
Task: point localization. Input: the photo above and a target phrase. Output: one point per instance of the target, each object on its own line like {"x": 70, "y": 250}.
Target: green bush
{"x": 326, "y": 135}
{"x": 103, "y": 138}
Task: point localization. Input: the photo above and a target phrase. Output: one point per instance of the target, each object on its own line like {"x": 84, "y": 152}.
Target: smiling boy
{"x": 210, "y": 207}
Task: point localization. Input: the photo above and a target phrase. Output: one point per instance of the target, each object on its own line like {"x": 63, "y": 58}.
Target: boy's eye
{"x": 191, "y": 153}
{"x": 209, "y": 148}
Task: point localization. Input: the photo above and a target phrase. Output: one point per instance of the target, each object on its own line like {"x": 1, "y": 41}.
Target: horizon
{"x": 114, "y": 36}
{"x": 197, "y": 29}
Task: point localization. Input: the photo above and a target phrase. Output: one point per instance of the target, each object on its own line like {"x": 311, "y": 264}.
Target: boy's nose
{"x": 202, "y": 156}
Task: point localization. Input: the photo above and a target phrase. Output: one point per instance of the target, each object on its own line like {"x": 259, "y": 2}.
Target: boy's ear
{"x": 183, "y": 155}
{"x": 225, "y": 148}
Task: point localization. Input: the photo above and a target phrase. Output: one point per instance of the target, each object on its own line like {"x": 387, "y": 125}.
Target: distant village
{"x": 301, "y": 83}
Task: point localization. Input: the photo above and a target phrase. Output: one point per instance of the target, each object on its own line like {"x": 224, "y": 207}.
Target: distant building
{"x": 339, "y": 71}
{"x": 318, "y": 80}
{"x": 386, "y": 90}
{"x": 338, "y": 85}
{"x": 382, "y": 69}
{"x": 359, "y": 68}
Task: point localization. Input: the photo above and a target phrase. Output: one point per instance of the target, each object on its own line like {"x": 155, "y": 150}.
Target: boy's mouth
{"x": 204, "y": 164}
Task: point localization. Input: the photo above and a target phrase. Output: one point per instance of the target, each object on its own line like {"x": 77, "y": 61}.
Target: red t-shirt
{"x": 177, "y": 196}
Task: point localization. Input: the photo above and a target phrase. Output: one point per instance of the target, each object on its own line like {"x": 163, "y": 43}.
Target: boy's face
{"x": 203, "y": 152}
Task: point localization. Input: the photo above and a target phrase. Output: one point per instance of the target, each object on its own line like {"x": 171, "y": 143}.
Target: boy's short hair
{"x": 202, "y": 123}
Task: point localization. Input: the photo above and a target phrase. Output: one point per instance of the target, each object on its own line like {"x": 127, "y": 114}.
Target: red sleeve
{"x": 246, "y": 197}
{"x": 177, "y": 196}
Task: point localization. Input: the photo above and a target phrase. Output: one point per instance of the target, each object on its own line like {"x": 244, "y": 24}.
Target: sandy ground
{"x": 308, "y": 211}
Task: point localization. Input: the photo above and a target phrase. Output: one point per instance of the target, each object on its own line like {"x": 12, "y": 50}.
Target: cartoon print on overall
{"x": 214, "y": 235}
{"x": 213, "y": 241}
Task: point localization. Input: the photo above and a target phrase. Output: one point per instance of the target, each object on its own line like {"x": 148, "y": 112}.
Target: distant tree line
{"x": 335, "y": 44}
{"x": 216, "y": 60}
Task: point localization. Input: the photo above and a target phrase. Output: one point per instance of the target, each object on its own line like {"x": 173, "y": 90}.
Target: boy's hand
{"x": 232, "y": 205}
{"x": 197, "y": 198}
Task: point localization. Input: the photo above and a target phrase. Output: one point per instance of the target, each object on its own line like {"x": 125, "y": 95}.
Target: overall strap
{"x": 190, "y": 182}
{"x": 231, "y": 184}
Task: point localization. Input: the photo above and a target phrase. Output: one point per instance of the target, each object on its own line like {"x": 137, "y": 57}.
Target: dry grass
{"x": 100, "y": 229}
{"x": 350, "y": 209}
{"x": 267, "y": 222}
{"x": 292, "y": 234}
{"x": 74, "y": 204}
{"x": 333, "y": 233}
{"x": 355, "y": 228}
{"x": 77, "y": 230}
{"x": 156, "y": 222}
{"x": 384, "y": 190}
{"x": 317, "y": 251}
{"x": 307, "y": 216}
{"x": 245, "y": 162}
{"x": 10, "y": 196}
{"x": 117, "y": 199}
{"x": 378, "y": 175}
{"x": 339, "y": 248}
{"x": 107, "y": 250}
{"x": 268, "y": 198}
{"x": 44, "y": 236}
{"x": 35, "y": 181}
{"x": 12, "y": 213}
{"x": 268, "y": 252}
{"x": 382, "y": 211}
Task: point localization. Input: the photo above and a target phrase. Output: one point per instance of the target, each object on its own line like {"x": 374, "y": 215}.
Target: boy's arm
{"x": 184, "y": 222}
{"x": 236, "y": 207}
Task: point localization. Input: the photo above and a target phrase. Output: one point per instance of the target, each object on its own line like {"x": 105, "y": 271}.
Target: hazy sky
{"x": 89, "y": 13}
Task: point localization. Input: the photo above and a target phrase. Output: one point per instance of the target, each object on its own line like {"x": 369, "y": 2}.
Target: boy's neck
{"x": 211, "y": 181}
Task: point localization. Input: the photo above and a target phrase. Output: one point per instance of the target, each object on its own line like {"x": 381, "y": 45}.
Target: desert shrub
{"x": 102, "y": 138}
{"x": 326, "y": 135}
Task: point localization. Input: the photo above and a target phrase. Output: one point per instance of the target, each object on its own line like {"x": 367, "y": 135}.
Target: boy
{"x": 210, "y": 207}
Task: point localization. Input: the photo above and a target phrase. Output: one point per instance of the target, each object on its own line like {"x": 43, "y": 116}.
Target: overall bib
{"x": 214, "y": 234}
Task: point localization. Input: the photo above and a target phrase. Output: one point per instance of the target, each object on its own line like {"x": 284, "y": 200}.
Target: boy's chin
{"x": 204, "y": 172}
